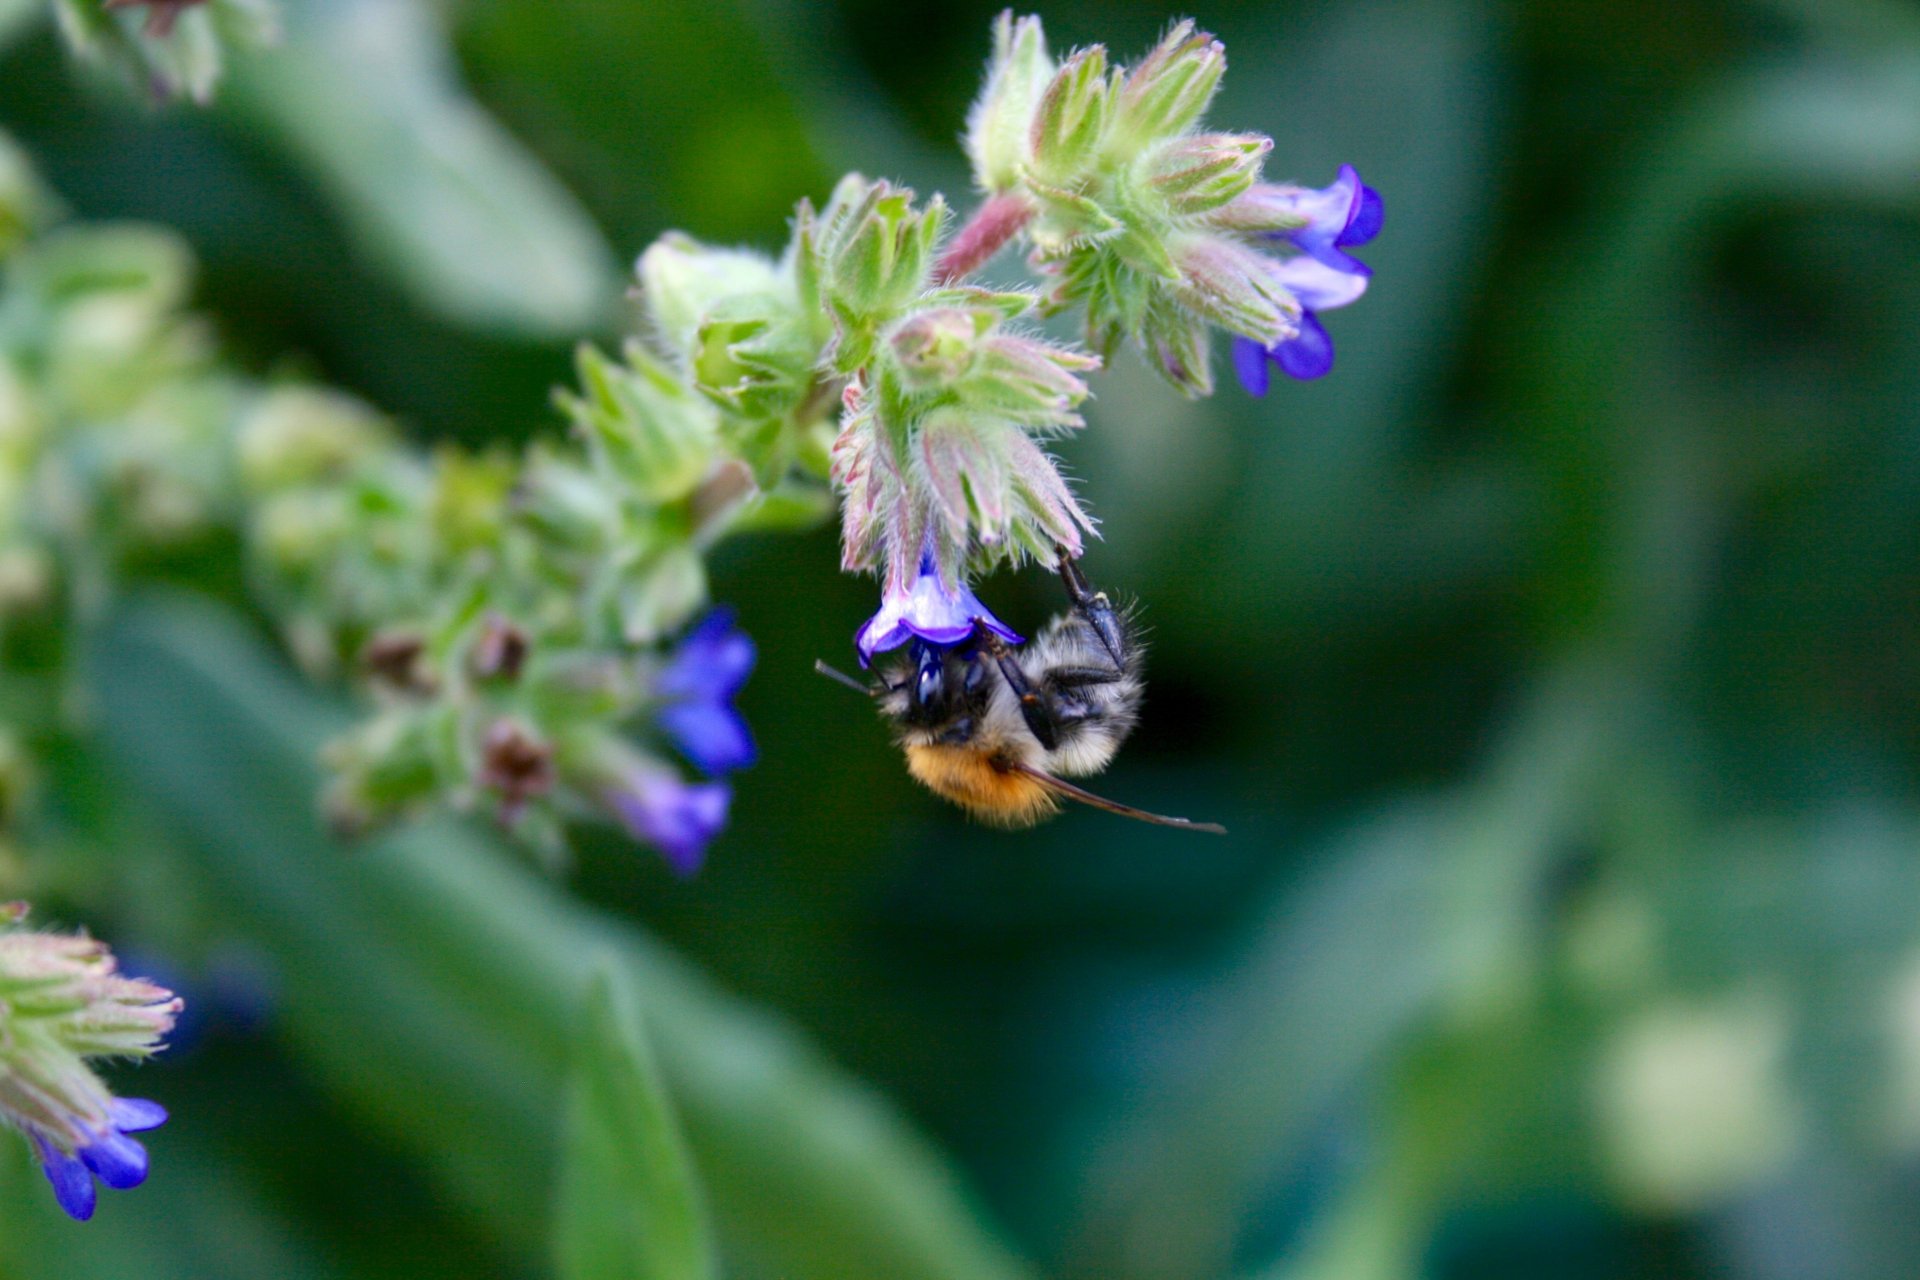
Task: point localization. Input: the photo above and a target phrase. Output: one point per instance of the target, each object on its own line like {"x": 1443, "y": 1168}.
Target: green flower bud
{"x": 682, "y": 282}
{"x": 643, "y": 424}
{"x": 1167, "y": 92}
{"x": 935, "y": 347}
{"x": 661, "y": 593}
{"x": 307, "y": 435}
{"x": 877, "y": 252}
{"x": 1232, "y": 284}
{"x": 1071, "y": 117}
{"x": 999, "y": 137}
{"x": 1194, "y": 174}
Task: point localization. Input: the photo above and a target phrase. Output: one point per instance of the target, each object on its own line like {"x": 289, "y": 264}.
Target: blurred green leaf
{"x": 429, "y": 980}
{"x": 629, "y": 1205}
{"x": 1423, "y": 914}
{"x": 15, "y": 17}
{"x": 365, "y": 94}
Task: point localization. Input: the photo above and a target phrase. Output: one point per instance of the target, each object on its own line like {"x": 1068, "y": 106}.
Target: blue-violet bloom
{"x": 113, "y": 1157}
{"x": 1343, "y": 215}
{"x": 1308, "y": 353}
{"x": 677, "y": 817}
{"x": 934, "y": 611}
{"x": 697, "y": 687}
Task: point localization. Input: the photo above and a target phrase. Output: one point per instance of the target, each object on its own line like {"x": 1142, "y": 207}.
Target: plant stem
{"x": 994, "y": 223}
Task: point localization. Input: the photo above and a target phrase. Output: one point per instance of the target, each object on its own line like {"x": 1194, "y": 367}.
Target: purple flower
{"x": 678, "y": 818}
{"x": 1343, "y": 215}
{"x": 113, "y": 1157}
{"x": 697, "y": 687}
{"x": 1308, "y": 353}
{"x": 930, "y": 609}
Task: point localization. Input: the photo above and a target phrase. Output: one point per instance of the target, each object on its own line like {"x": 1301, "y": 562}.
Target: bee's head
{"x": 942, "y": 693}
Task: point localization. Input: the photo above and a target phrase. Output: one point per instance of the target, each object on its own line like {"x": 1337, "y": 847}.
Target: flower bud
{"x": 1194, "y": 174}
{"x": 1071, "y": 117}
{"x": 642, "y": 424}
{"x": 517, "y": 764}
{"x": 1000, "y": 125}
{"x": 307, "y": 435}
{"x": 934, "y": 348}
{"x": 661, "y": 593}
{"x": 1233, "y": 286}
{"x": 878, "y": 251}
{"x": 1168, "y": 91}
{"x": 682, "y": 281}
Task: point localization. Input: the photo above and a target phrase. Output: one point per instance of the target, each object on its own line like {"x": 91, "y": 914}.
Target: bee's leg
{"x": 1096, "y": 609}
{"x": 1035, "y": 709}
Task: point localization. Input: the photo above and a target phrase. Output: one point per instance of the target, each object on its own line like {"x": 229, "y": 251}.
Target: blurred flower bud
{"x": 500, "y": 652}
{"x": 26, "y": 578}
{"x": 643, "y": 424}
{"x": 516, "y": 764}
{"x": 1692, "y": 1103}
{"x": 397, "y": 658}
{"x": 682, "y": 282}
{"x": 307, "y": 435}
{"x": 661, "y": 592}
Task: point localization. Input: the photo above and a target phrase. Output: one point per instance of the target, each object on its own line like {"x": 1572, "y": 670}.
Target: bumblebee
{"x": 997, "y": 728}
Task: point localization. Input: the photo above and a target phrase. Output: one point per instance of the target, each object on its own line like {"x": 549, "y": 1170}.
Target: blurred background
{"x": 1555, "y": 664}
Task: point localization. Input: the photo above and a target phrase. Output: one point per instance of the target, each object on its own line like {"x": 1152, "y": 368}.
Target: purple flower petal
{"x": 932, "y": 611}
{"x": 72, "y": 1183}
{"x": 1345, "y": 212}
{"x": 712, "y": 735}
{"x": 678, "y": 818}
{"x": 1307, "y": 355}
{"x": 135, "y": 1115}
{"x": 1318, "y": 286}
{"x": 712, "y": 662}
{"x": 1367, "y": 219}
{"x": 1250, "y": 365}
{"x": 120, "y": 1161}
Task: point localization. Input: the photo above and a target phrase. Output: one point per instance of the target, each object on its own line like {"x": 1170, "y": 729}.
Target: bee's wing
{"x": 1061, "y": 787}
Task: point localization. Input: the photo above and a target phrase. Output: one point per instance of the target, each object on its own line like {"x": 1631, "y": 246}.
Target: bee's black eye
{"x": 976, "y": 676}
{"x": 928, "y": 692}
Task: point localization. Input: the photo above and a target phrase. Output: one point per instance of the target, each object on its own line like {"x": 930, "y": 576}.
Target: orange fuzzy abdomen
{"x": 970, "y": 780}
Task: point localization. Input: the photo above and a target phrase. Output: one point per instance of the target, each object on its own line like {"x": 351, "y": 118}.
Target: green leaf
{"x": 366, "y": 95}
{"x": 16, "y": 17}
{"x": 629, "y": 1205}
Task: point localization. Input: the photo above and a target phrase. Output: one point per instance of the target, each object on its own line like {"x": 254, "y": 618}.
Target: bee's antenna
{"x": 843, "y": 678}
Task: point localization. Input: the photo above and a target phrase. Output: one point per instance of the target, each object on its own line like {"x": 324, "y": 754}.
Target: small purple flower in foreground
{"x": 113, "y": 1157}
{"x": 1343, "y": 215}
{"x": 930, "y": 609}
{"x": 697, "y": 686}
{"x": 678, "y": 818}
